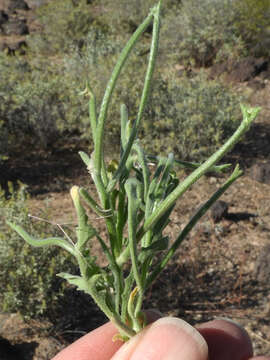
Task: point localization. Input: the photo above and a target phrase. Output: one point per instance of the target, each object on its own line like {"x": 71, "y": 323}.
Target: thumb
{"x": 166, "y": 339}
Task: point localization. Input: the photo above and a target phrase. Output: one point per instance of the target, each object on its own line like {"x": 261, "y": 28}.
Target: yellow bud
{"x": 74, "y": 192}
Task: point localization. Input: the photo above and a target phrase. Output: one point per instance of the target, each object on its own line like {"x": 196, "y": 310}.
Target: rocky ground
{"x": 222, "y": 269}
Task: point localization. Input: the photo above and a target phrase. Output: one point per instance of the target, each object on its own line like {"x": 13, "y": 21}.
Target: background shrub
{"x": 37, "y": 105}
{"x": 200, "y": 29}
{"x": 202, "y": 32}
{"x": 125, "y": 16}
{"x": 63, "y": 24}
{"x": 190, "y": 116}
{"x": 27, "y": 275}
{"x": 253, "y": 23}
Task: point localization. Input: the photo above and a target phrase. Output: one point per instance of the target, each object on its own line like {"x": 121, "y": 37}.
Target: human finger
{"x": 226, "y": 340}
{"x": 167, "y": 338}
{"x": 97, "y": 345}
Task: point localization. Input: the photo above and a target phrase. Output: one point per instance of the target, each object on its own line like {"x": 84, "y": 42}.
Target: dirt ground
{"x": 221, "y": 270}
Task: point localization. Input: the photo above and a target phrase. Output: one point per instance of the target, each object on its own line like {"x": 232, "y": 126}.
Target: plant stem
{"x": 148, "y": 77}
{"x": 99, "y": 135}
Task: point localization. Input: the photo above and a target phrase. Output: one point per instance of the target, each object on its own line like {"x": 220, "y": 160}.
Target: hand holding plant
{"x": 135, "y": 203}
{"x": 166, "y": 338}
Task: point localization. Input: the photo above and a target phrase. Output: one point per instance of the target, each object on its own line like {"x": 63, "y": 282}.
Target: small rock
{"x": 212, "y": 180}
{"x": 11, "y": 324}
{"x": 48, "y": 348}
{"x": 261, "y": 172}
{"x": 248, "y": 68}
{"x": 243, "y": 70}
{"x": 219, "y": 210}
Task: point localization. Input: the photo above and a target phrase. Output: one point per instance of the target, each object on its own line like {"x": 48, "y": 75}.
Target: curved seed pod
{"x": 43, "y": 242}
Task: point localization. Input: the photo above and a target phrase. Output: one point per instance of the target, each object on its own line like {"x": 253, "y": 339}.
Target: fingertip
{"x": 226, "y": 340}
{"x": 167, "y": 339}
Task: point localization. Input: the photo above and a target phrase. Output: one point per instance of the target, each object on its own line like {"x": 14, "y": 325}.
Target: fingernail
{"x": 167, "y": 339}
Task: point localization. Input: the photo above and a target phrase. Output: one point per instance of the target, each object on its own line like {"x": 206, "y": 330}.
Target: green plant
{"x": 205, "y": 28}
{"x": 27, "y": 281}
{"x": 37, "y": 104}
{"x": 125, "y": 16}
{"x": 135, "y": 203}
{"x": 63, "y": 23}
{"x": 193, "y": 117}
{"x": 253, "y": 23}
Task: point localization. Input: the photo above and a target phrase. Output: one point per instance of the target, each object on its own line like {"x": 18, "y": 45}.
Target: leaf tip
{"x": 74, "y": 192}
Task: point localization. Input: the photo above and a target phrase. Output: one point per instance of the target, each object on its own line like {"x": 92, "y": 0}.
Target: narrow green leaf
{"x": 85, "y": 158}
{"x": 110, "y": 88}
{"x": 189, "y": 165}
{"x": 155, "y": 12}
{"x": 133, "y": 206}
{"x": 57, "y": 241}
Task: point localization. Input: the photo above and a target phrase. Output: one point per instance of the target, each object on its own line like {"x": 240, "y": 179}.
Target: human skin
{"x": 166, "y": 339}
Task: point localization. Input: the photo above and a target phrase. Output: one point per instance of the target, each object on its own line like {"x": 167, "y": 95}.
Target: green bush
{"x": 63, "y": 24}
{"x": 28, "y": 284}
{"x": 202, "y": 28}
{"x": 28, "y": 107}
{"x": 190, "y": 116}
{"x": 37, "y": 105}
{"x": 253, "y": 23}
{"x": 203, "y": 32}
{"x": 125, "y": 16}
